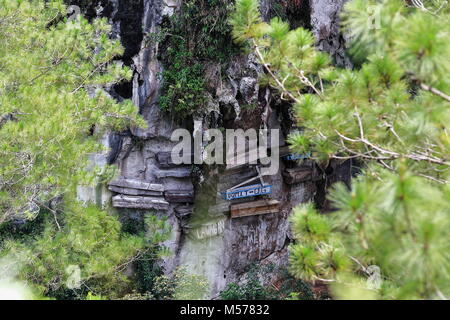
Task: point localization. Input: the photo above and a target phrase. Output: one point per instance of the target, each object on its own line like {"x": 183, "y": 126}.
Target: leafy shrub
{"x": 180, "y": 286}
{"x": 199, "y": 33}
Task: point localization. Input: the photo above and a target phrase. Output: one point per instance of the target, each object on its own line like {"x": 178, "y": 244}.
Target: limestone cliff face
{"x": 204, "y": 237}
{"x": 325, "y": 27}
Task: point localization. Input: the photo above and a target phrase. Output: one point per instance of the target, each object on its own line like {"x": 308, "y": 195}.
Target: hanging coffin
{"x": 296, "y": 156}
{"x": 136, "y": 187}
{"x": 297, "y": 175}
{"x": 179, "y": 195}
{"x": 255, "y": 208}
{"x": 122, "y": 201}
{"x": 247, "y": 191}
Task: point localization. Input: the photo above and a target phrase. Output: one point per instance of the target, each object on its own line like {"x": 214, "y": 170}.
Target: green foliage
{"x": 52, "y": 113}
{"x": 147, "y": 267}
{"x": 184, "y": 87}
{"x": 198, "y": 34}
{"x": 89, "y": 239}
{"x": 253, "y": 289}
{"x": 147, "y": 270}
{"x": 21, "y": 229}
{"x": 51, "y": 72}
{"x": 180, "y": 285}
{"x": 391, "y": 113}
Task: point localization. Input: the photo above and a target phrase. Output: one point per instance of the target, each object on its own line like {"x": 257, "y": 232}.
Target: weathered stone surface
{"x": 326, "y": 29}
{"x": 164, "y": 160}
{"x": 208, "y": 230}
{"x": 183, "y": 211}
{"x": 249, "y": 87}
{"x": 123, "y": 201}
{"x": 221, "y": 207}
{"x": 223, "y": 247}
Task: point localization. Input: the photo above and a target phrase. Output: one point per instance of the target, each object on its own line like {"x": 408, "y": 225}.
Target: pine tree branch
{"x": 433, "y": 178}
{"x": 435, "y": 91}
{"x": 392, "y": 155}
{"x": 266, "y": 66}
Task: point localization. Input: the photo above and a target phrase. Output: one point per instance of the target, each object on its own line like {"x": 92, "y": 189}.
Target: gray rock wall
{"x": 204, "y": 237}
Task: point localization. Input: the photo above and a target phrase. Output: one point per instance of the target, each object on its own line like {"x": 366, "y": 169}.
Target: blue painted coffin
{"x": 247, "y": 191}
{"x": 296, "y": 156}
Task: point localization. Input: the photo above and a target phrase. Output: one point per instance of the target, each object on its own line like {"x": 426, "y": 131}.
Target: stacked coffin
{"x": 254, "y": 208}
{"x": 242, "y": 186}
{"x": 298, "y": 174}
{"x": 138, "y": 194}
{"x": 299, "y": 167}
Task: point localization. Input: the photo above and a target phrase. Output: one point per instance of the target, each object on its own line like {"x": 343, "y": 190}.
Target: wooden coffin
{"x": 179, "y": 195}
{"x": 181, "y": 172}
{"x": 254, "y": 208}
{"x": 137, "y": 184}
{"x": 287, "y": 155}
{"x": 135, "y": 202}
{"x": 247, "y": 191}
{"x": 165, "y": 159}
{"x": 134, "y": 192}
{"x": 297, "y": 175}
{"x": 232, "y": 178}
{"x": 296, "y": 156}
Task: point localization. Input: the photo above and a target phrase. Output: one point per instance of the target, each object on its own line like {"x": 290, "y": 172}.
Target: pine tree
{"x": 52, "y": 112}
{"x": 392, "y": 113}
{"x": 51, "y": 76}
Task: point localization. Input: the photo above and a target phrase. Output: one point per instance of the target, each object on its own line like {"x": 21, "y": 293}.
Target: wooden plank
{"x": 257, "y": 203}
{"x": 136, "y": 202}
{"x": 255, "y": 208}
{"x": 137, "y": 184}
